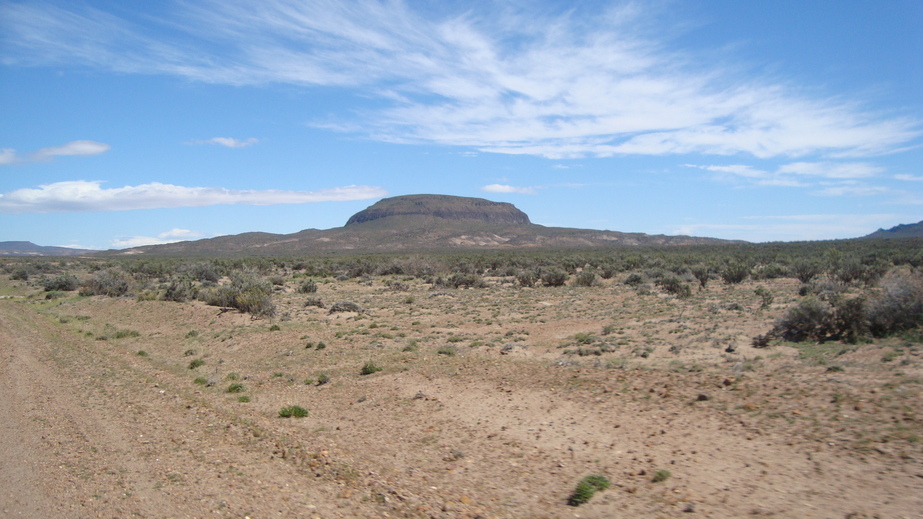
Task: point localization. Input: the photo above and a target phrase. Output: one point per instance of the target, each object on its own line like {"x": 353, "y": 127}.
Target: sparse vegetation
{"x": 370, "y": 367}
{"x": 587, "y": 488}
{"x": 293, "y": 411}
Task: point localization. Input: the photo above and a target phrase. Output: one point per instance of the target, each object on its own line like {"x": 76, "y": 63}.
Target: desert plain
{"x": 424, "y": 400}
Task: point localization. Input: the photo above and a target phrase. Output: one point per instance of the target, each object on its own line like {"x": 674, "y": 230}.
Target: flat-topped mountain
{"x": 420, "y": 223}
{"x": 442, "y": 206}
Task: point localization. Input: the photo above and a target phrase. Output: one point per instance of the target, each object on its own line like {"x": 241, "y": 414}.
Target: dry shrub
{"x": 899, "y": 304}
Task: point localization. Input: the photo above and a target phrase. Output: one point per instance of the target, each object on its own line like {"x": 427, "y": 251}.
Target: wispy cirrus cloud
{"x": 71, "y": 149}
{"x": 227, "y": 142}
{"x": 800, "y": 174}
{"x": 499, "y": 79}
{"x": 86, "y": 196}
{"x": 504, "y": 188}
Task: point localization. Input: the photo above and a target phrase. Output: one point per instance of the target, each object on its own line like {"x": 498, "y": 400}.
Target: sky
{"x": 136, "y": 123}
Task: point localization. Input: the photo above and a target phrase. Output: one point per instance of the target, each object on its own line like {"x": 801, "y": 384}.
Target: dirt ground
{"x": 489, "y": 403}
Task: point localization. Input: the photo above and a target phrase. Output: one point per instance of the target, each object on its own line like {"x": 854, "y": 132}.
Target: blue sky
{"x": 132, "y": 123}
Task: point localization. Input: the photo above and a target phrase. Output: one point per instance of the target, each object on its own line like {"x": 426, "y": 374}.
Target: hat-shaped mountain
{"x": 420, "y": 223}
{"x": 442, "y": 206}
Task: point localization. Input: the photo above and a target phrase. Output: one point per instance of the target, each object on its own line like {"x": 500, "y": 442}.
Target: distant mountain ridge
{"x": 909, "y": 230}
{"x": 27, "y": 248}
{"x": 421, "y": 223}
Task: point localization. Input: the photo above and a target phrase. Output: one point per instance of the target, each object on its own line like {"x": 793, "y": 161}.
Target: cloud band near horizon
{"x": 89, "y": 196}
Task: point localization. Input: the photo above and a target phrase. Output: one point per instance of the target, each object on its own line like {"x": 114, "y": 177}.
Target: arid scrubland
{"x": 760, "y": 382}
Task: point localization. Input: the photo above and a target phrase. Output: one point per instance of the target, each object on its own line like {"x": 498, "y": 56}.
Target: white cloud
{"x": 83, "y": 196}
{"x": 501, "y": 188}
{"x": 853, "y": 190}
{"x": 496, "y": 78}
{"x": 171, "y": 236}
{"x": 798, "y": 174}
{"x": 7, "y": 156}
{"x": 73, "y": 148}
{"x": 832, "y": 169}
{"x": 228, "y": 142}
{"x": 909, "y": 178}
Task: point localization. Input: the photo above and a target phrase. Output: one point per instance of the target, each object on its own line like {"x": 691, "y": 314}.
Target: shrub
{"x": 464, "y": 279}
{"x": 179, "y": 291}
{"x": 766, "y": 297}
{"x": 586, "y": 488}
{"x": 323, "y": 378}
{"x": 308, "y": 287}
{"x": 673, "y": 285}
{"x": 345, "y": 306}
{"x": 582, "y": 493}
{"x": 62, "y": 283}
{"x": 701, "y": 273}
{"x": 111, "y": 282}
{"x": 20, "y": 275}
{"x": 811, "y": 319}
{"x": 526, "y": 278}
{"x": 196, "y": 363}
{"x": 236, "y": 388}
{"x": 293, "y": 411}
{"x": 805, "y": 271}
{"x": 247, "y": 292}
{"x": 370, "y": 367}
{"x": 735, "y": 272}
{"x": 586, "y": 278}
{"x": 554, "y": 277}
{"x": 634, "y": 279}
{"x": 661, "y": 475}
{"x": 899, "y": 305}
{"x": 449, "y": 351}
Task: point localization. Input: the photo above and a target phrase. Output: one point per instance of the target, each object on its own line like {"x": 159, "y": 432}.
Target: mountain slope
{"x": 27, "y": 248}
{"x": 910, "y": 230}
{"x": 421, "y": 223}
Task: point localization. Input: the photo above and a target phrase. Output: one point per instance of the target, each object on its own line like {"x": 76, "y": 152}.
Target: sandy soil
{"x": 489, "y": 404}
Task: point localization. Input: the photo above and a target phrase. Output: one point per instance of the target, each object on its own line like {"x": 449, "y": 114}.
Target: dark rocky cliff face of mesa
{"x": 446, "y": 207}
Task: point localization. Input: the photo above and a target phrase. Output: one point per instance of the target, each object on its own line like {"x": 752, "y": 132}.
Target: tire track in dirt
{"x": 76, "y": 448}
{"x": 85, "y": 435}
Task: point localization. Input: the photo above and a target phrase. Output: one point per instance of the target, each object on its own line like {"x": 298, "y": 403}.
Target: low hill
{"x": 27, "y": 248}
{"x": 421, "y": 223}
{"x": 910, "y": 230}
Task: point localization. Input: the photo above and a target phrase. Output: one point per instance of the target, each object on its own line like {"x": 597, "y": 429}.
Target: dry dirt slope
{"x": 92, "y": 429}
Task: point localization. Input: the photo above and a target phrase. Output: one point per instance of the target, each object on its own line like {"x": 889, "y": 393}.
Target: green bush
{"x": 196, "y": 363}
{"x": 805, "y": 270}
{"x": 809, "y": 320}
{"x": 236, "y": 388}
{"x": 587, "y": 488}
{"x": 554, "y": 277}
{"x": 247, "y": 292}
{"x": 526, "y": 278}
{"x": 735, "y": 272}
{"x": 586, "y": 278}
{"x": 111, "y": 282}
{"x": 62, "y": 283}
{"x": 370, "y": 367}
{"x": 308, "y": 287}
{"x": 661, "y": 475}
{"x": 293, "y": 411}
{"x": 672, "y": 284}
